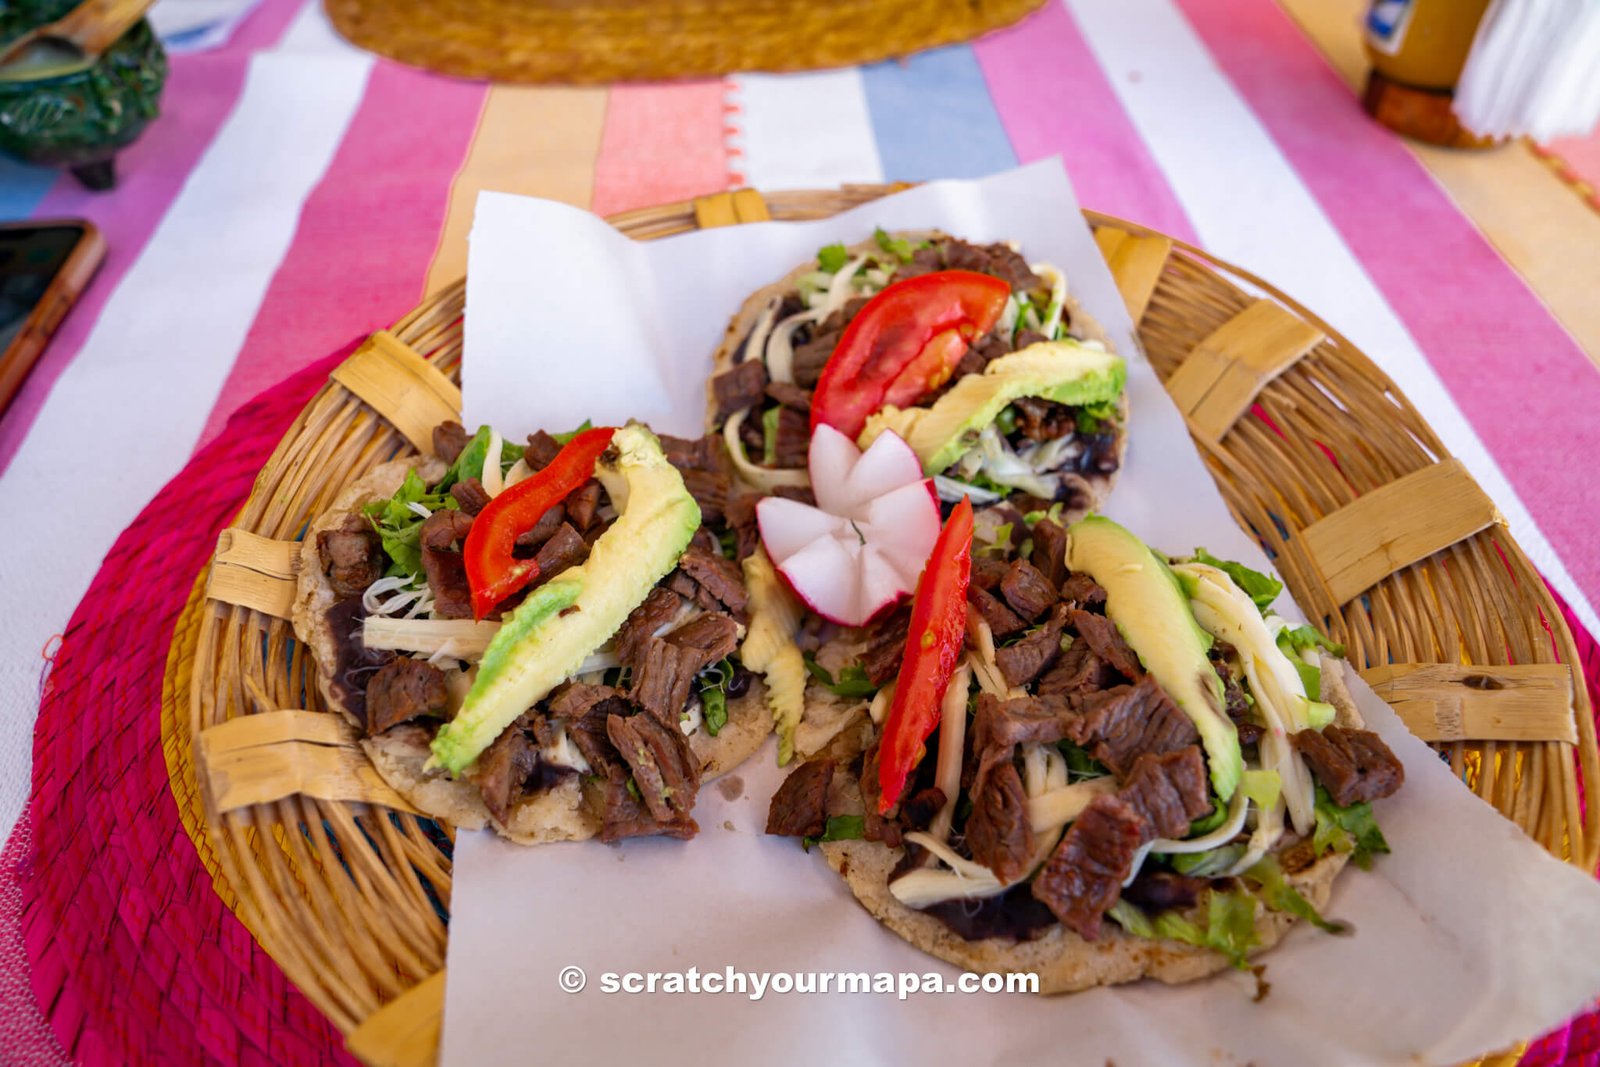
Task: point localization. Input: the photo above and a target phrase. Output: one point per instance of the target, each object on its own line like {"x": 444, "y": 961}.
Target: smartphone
{"x": 44, "y": 266}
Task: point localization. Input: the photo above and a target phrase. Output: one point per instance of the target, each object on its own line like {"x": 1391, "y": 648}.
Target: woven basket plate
{"x": 1372, "y": 524}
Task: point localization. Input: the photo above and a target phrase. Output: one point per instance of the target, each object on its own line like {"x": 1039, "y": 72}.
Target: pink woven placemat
{"x": 133, "y": 957}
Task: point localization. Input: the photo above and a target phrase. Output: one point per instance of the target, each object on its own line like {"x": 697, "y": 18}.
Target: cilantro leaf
{"x": 852, "y": 682}
{"x": 898, "y": 247}
{"x": 832, "y": 257}
{"x": 400, "y": 527}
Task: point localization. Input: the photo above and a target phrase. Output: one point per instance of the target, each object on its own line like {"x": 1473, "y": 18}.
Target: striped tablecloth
{"x": 297, "y": 194}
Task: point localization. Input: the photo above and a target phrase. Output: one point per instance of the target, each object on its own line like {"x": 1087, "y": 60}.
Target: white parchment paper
{"x": 1467, "y": 938}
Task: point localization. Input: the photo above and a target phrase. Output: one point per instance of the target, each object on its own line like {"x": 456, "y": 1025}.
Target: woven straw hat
{"x": 596, "y": 41}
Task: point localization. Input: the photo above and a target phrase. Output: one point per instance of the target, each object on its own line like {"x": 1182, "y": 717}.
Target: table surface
{"x": 297, "y": 194}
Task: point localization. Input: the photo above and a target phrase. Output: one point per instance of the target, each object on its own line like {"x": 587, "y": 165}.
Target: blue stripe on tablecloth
{"x": 22, "y": 187}
{"x": 933, "y": 117}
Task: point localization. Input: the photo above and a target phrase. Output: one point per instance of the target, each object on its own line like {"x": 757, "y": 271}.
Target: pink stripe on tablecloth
{"x": 1053, "y": 98}
{"x": 1530, "y": 393}
{"x": 201, "y": 92}
{"x": 661, "y": 143}
{"x": 360, "y": 254}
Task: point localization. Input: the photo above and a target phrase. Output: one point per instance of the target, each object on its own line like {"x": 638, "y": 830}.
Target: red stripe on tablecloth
{"x": 367, "y": 232}
{"x": 201, "y": 92}
{"x": 661, "y": 143}
{"x": 1527, "y": 388}
{"x": 1053, "y": 98}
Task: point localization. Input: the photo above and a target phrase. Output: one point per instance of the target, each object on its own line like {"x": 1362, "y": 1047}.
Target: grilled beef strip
{"x": 470, "y": 495}
{"x": 442, "y": 532}
{"x": 800, "y": 806}
{"x": 720, "y": 577}
{"x": 997, "y": 832}
{"x": 987, "y": 572}
{"x": 1050, "y": 551}
{"x": 1026, "y": 589}
{"x": 658, "y": 609}
{"x": 541, "y": 451}
{"x": 624, "y": 815}
{"x": 790, "y": 396}
{"x": 1031, "y": 656}
{"x": 449, "y": 440}
{"x": 739, "y": 388}
{"x": 564, "y": 549}
{"x": 793, "y": 442}
{"x": 1084, "y": 874}
{"x": 402, "y": 690}
{"x": 1082, "y": 591}
{"x": 1157, "y": 890}
{"x": 1105, "y": 641}
{"x": 664, "y": 769}
{"x": 582, "y": 504}
{"x": 886, "y": 645}
{"x": 666, "y": 671}
{"x": 1168, "y": 790}
{"x": 1354, "y": 766}
{"x": 1078, "y": 670}
{"x": 352, "y": 556}
{"x": 1003, "y": 622}
{"x": 1119, "y": 725}
{"x": 529, "y": 540}
{"x": 505, "y": 767}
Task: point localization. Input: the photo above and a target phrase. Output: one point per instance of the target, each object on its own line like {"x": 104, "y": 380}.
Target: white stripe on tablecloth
{"x": 1248, "y": 205}
{"x": 802, "y": 131}
{"x": 125, "y": 415}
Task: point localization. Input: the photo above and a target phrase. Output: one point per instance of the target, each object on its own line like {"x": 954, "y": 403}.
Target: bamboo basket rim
{"x": 333, "y": 926}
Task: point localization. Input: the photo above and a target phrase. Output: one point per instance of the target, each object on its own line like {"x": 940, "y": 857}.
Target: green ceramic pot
{"x": 80, "y": 120}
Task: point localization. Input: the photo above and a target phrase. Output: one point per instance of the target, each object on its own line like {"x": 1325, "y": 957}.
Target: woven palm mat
{"x": 132, "y": 955}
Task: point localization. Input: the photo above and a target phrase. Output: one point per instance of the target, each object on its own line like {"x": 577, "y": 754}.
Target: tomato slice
{"x": 493, "y": 573}
{"x": 903, "y": 344}
{"x": 933, "y": 645}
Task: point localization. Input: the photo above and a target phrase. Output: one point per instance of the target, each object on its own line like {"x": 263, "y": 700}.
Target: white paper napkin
{"x": 1467, "y": 938}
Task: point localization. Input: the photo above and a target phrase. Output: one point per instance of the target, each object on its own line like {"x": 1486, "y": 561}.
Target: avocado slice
{"x": 551, "y": 632}
{"x": 1144, "y": 599}
{"x": 1064, "y": 371}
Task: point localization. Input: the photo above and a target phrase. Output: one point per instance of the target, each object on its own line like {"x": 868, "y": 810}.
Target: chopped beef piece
{"x": 589, "y": 735}
{"x": 1157, "y": 891}
{"x": 505, "y": 767}
{"x": 1235, "y": 702}
{"x": 1099, "y": 452}
{"x": 1119, "y": 725}
{"x": 662, "y": 680}
{"x": 790, "y": 396}
{"x": 1083, "y": 876}
{"x": 720, "y": 577}
{"x": 973, "y": 361}
{"x": 541, "y": 451}
{"x": 793, "y": 439}
{"x": 741, "y": 517}
{"x": 354, "y": 663}
{"x": 998, "y": 260}
{"x": 1078, "y": 670}
{"x": 737, "y": 389}
{"x": 666, "y": 772}
{"x": 1044, "y": 420}
{"x": 987, "y": 573}
{"x": 811, "y": 355}
{"x": 625, "y": 815}
{"x": 1354, "y": 766}
{"x": 449, "y": 439}
{"x": 658, "y": 609}
{"x": 1004, "y": 724}
{"x": 1102, "y": 636}
{"x": 1030, "y": 337}
{"x": 1032, "y": 655}
{"x": 1169, "y": 790}
{"x": 441, "y": 561}
{"x": 886, "y": 645}
{"x": 402, "y": 690}
{"x": 582, "y": 504}
{"x": 352, "y": 556}
{"x": 997, "y": 831}
{"x": 565, "y": 549}
{"x": 800, "y": 806}
{"x": 1050, "y": 550}
{"x": 470, "y": 495}
{"x": 923, "y": 261}
{"x": 1028, "y": 591}
{"x": 705, "y": 540}
{"x": 529, "y": 540}
{"x": 1003, "y": 622}
{"x": 875, "y": 827}
{"x": 1082, "y": 591}
{"x": 694, "y": 453}
{"x": 574, "y": 700}
{"x": 710, "y": 490}
{"x": 918, "y": 810}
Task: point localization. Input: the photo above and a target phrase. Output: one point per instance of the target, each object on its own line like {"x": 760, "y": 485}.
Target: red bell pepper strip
{"x": 903, "y": 344}
{"x": 492, "y": 572}
{"x": 933, "y": 645}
